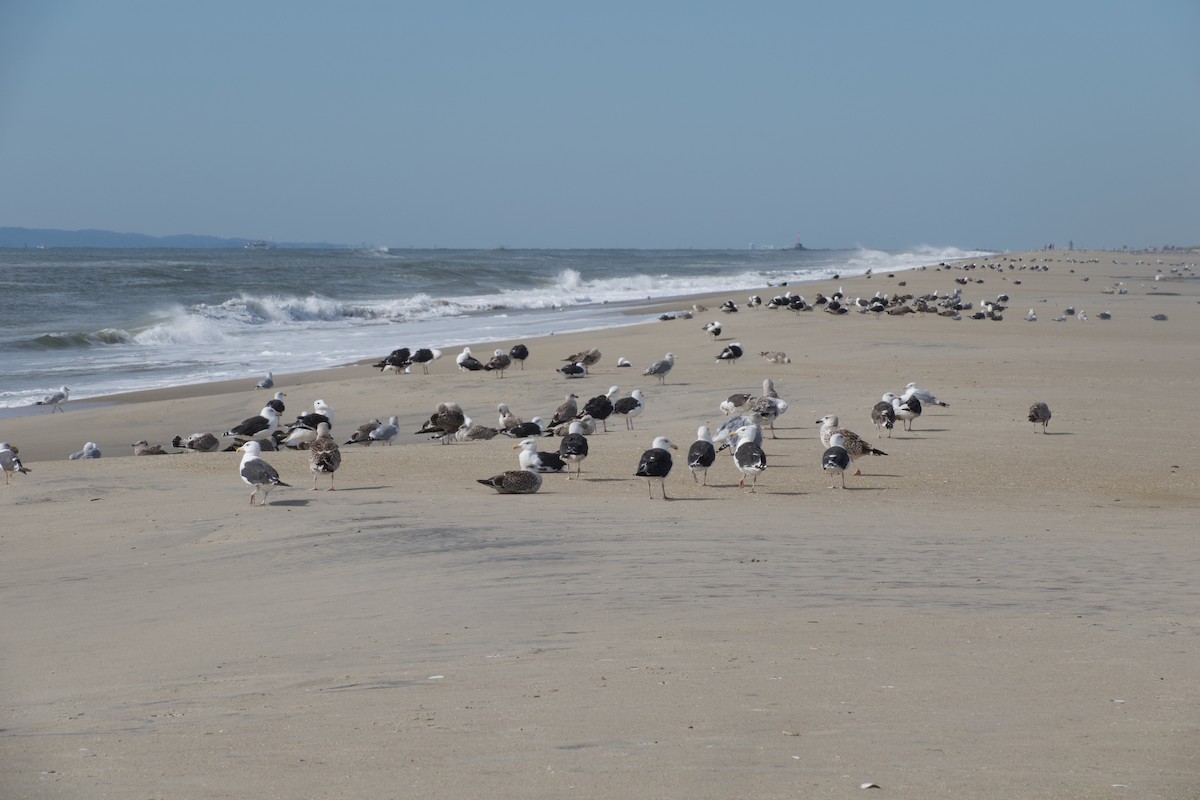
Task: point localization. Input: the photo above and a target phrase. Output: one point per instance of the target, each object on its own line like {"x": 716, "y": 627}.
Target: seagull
{"x": 385, "y": 433}
{"x": 362, "y": 434}
{"x": 568, "y": 410}
{"x": 55, "y": 399}
{"x": 775, "y": 356}
{"x": 276, "y": 402}
{"x": 855, "y": 445}
{"x": 701, "y": 454}
{"x": 304, "y": 430}
{"x": 468, "y": 362}
{"x": 835, "y": 458}
{"x": 926, "y": 397}
{"x": 515, "y": 481}
{"x": 266, "y": 382}
{"x": 661, "y": 367}
{"x": 588, "y": 358}
{"x": 258, "y": 473}
{"x": 499, "y": 362}
{"x": 656, "y": 463}
{"x": 713, "y": 328}
{"x": 524, "y": 429}
{"x": 630, "y": 407}
{"x": 266, "y": 423}
{"x": 324, "y": 457}
{"x": 425, "y": 356}
{"x": 143, "y": 448}
{"x": 769, "y": 408}
{"x": 10, "y": 462}
{"x": 1040, "y": 412}
{"x": 574, "y": 448}
{"x": 600, "y": 407}
{"x": 906, "y": 410}
{"x": 576, "y": 370}
{"x": 397, "y": 360}
{"x": 731, "y": 353}
{"x": 470, "y": 432}
{"x": 90, "y": 450}
{"x": 622, "y": 361}
{"x": 519, "y": 352}
{"x": 199, "y": 442}
{"x": 1031, "y": 316}
{"x": 530, "y": 458}
{"x": 884, "y": 416}
{"x": 748, "y": 455}
{"x": 446, "y": 419}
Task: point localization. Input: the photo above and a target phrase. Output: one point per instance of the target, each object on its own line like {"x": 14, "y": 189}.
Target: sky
{"x": 651, "y": 124}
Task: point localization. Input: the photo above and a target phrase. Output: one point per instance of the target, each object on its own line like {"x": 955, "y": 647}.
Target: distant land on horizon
{"x": 30, "y": 238}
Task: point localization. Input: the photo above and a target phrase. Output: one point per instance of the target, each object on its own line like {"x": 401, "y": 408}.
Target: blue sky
{"x": 1003, "y": 125}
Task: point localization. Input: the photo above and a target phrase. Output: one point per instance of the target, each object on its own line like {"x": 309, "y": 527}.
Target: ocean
{"x": 106, "y": 321}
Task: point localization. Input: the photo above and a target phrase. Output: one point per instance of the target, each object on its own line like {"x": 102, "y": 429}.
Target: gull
{"x": 258, "y": 473}
{"x": 566, "y": 411}
{"x": 906, "y": 410}
{"x": 835, "y": 458}
{"x": 514, "y": 481}
{"x": 574, "y": 448}
{"x": 362, "y": 434}
{"x": 10, "y": 462}
{"x": 507, "y": 419}
{"x": 1040, "y": 412}
{"x": 855, "y": 445}
{"x": 324, "y": 457}
{"x": 661, "y": 367}
{"x": 600, "y": 407}
{"x": 143, "y": 448}
{"x": 731, "y": 353}
{"x": 748, "y": 455}
{"x": 499, "y": 362}
{"x": 468, "y": 362}
{"x": 884, "y": 416}
{"x": 385, "y": 433}
{"x": 701, "y": 454}
{"x": 519, "y": 352}
{"x": 199, "y": 442}
{"x": 588, "y": 358}
{"x": 656, "y": 463}
{"x": 266, "y": 382}
{"x": 630, "y": 407}
{"x": 531, "y": 458}
{"x": 55, "y": 399}
{"x": 926, "y": 397}
{"x": 90, "y": 450}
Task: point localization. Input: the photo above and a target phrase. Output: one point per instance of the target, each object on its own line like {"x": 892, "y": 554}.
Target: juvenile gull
{"x": 90, "y": 450}
{"x": 362, "y": 434}
{"x": 143, "y": 448}
{"x": 853, "y": 444}
{"x": 507, "y": 419}
{"x": 470, "y": 432}
{"x": 199, "y": 442}
{"x": 701, "y": 454}
{"x": 324, "y": 457}
{"x": 257, "y": 473}
{"x": 10, "y": 462}
{"x": 588, "y": 358}
{"x": 444, "y": 421}
{"x": 515, "y": 481}
{"x": 55, "y": 399}
{"x": 499, "y": 362}
{"x": 661, "y": 367}
{"x": 567, "y": 411}
{"x": 1040, "y": 412}
{"x": 836, "y": 459}
{"x": 884, "y": 416}
{"x": 656, "y": 463}
{"x": 574, "y": 448}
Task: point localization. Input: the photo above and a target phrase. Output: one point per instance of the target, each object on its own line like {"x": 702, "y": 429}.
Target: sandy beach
{"x": 986, "y": 612}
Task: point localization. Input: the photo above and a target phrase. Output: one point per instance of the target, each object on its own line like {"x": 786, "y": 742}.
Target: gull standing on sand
{"x": 468, "y": 362}
{"x": 835, "y": 458}
{"x": 731, "y": 353}
{"x": 257, "y": 473}
{"x": 588, "y": 358}
{"x": 853, "y": 444}
{"x": 748, "y": 455}
{"x": 567, "y": 411}
{"x": 10, "y": 462}
{"x": 425, "y": 356}
{"x": 656, "y": 463}
{"x": 445, "y": 421}
{"x": 630, "y": 407}
{"x": 884, "y": 416}
{"x": 600, "y": 407}
{"x": 701, "y": 454}
{"x": 304, "y": 429}
{"x": 324, "y": 457}
{"x": 499, "y": 362}
{"x": 507, "y": 419}
{"x": 574, "y": 448}
{"x": 1040, "y": 412}
{"x": 55, "y": 399}
{"x": 926, "y": 397}
{"x": 661, "y": 367}
{"x": 906, "y": 410}
{"x": 519, "y": 352}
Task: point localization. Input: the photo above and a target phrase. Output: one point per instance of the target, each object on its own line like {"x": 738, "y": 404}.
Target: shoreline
{"x": 988, "y": 611}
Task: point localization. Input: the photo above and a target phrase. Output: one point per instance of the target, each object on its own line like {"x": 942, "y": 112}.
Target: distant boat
{"x": 257, "y": 244}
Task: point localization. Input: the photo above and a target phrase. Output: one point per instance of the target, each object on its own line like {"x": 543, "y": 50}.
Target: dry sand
{"x": 988, "y": 612}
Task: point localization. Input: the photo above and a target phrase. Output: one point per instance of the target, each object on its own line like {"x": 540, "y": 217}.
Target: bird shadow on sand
{"x": 341, "y": 489}
{"x": 1058, "y": 433}
{"x": 296, "y": 503}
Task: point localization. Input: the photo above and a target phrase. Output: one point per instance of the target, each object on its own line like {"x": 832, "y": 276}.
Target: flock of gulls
{"x": 749, "y": 414}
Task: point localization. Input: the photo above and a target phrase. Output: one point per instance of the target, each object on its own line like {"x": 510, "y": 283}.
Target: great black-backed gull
{"x": 574, "y": 448}
{"x": 468, "y": 362}
{"x": 266, "y": 423}
{"x": 531, "y": 458}
{"x": 385, "y": 433}
{"x": 656, "y": 463}
{"x": 198, "y": 442}
{"x": 854, "y": 444}
{"x": 884, "y": 416}
{"x": 926, "y": 397}
{"x": 622, "y": 361}
{"x": 396, "y": 361}
{"x": 10, "y": 462}
{"x": 256, "y": 473}
{"x": 522, "y": 430}
{"x": 266, "y": 382}
{"x": 748, "y": 455}
{"x": 600, "y": 407}
{"x": 362, "y": 434}
{"x": 589, "y": 358}
{"x": 731, "y": 353}
{"x": 567, "y": 410}
{"x": 519, "y": 353}
{"x": 143, "y": 448}
{"x": 701, "y": 454}
{"x": 56, "y": 399}
{"x": 906, "y": 410}
{"x": 514, "y": 481}
{"x": 1040, "y": 412}
{"x": 277, "y": 403}
{"x": 324, "y": 457}
{"x": 835, "y": 459}
{"x": 304, "y": 430}
{"x": 713, "y": 328}
{"x": 499, "y": 362}
{"x": 425, "y": 356}
{"x": 630, "y": 407}
{"x": 446, "y": 419}
{"x": 660, "y": 368}
{"x": 576, "y": 370}
{"x": 90, "y": 450}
